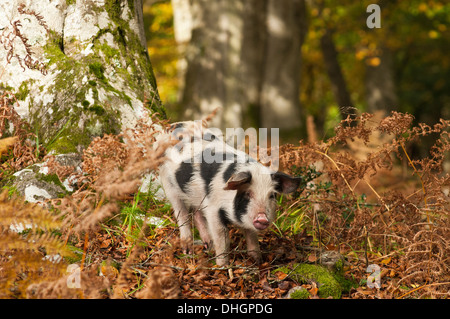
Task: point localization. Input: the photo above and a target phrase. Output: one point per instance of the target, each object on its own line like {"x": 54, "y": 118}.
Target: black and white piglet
{"x": 220, "y": 186}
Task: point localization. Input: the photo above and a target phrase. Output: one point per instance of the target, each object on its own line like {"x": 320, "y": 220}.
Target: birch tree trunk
{"x": 79, "y": 68}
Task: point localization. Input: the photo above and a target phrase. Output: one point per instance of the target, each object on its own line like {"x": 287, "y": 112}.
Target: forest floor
{"x": 365, "y": 199}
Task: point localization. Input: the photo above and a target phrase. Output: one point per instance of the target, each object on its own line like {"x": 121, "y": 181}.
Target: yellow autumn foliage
{"x": 6, "y": 143}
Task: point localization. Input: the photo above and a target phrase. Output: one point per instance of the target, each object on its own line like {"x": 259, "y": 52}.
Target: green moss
{"x": 23, "y": 91}
{"x": 300, "y": 294}
{"x": 6, "y": 87}
{"x": 92, "y": 83}
{"x": 68, "y": 142}
{"x": 98, "y": 70}
{"x": 51, "y": 178}
{"x": 85, "y": 104}
{"x": 97, "y": 109}
{"x": 54, "y": 53}
{"x": 109, "y": 52}
{"x": 326, "y": 281}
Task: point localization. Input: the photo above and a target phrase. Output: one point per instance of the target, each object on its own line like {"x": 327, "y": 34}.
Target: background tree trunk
{"x": 338, "y": 83}
{"x": 213, "y": 60}
{"x": 79, "y": 68}
{"x": 280, "y": 101}
{"x": 380, "y": 85}
{"x": 182, "y": 24}
{"x": 244, "y": 56}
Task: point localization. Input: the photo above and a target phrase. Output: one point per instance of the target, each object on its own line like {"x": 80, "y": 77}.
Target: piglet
{"x": 219, "y": 186}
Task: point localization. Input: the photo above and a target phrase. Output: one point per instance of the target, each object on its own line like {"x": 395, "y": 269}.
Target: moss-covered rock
{"x": 298, "y": 292}
{"x": 35, "y": 186}
{"x": 330, "y": 284}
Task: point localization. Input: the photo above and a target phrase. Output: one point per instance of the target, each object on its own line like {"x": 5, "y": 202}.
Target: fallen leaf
{"x": 312, "y": 258}
{"x": 314, "y": 291}
{"x": 280, "y": 275}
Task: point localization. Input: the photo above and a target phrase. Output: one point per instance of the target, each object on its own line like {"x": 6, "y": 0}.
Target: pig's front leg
{"x": 221, "y": 239}
{"x": 253, "y": 246}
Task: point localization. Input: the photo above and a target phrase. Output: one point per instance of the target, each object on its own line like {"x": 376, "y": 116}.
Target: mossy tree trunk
{"x": 79, "y": 68}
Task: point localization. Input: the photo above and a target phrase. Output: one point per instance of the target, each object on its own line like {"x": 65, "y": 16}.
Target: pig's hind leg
{"x": 202, "y": 227}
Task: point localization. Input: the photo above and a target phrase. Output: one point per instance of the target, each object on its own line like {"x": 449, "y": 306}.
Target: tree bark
{"x": 380, "y": 84}
{"x": 280, "y": 100}
{"x": 79, "y": 67}
{"x": 213, "y": 61}
{"x": 333, "y": 69}
{"x": 244, "y": 56}
{"x": 253, "y": 56}
{"x": 182, "y": 24}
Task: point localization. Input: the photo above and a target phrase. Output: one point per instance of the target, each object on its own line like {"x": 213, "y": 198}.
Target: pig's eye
{"x": 273, "y": 195}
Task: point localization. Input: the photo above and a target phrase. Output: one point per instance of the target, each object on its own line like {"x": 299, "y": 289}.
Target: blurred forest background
{"x": 300, "y": 65}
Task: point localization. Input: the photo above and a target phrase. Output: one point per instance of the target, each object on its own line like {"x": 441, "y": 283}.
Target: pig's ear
{"x": 285, "y": 183}
{"x": 238, "y": 180}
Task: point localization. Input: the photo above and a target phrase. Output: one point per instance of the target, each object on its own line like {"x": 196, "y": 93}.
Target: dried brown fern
{"x": 414, "y": 218}
{"x": 28, "y": 249}
{"x": 24, "y": 151}
{"x": 16, "y": 43}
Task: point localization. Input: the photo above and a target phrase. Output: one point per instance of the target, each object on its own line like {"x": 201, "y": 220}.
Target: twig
{"x": 366, "y": 235}
{"x": 424, "y": 286}
{"x": 86, "y": 243}
{"x": 342, "y": 175}
{"x": 381, "y": 200}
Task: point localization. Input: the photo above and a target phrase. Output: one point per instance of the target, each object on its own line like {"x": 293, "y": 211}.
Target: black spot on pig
{"x": 224, "y": 218}
{"x": 241, "y": 201}
{"x": 207, "y": 172}
{"x": 183, "y": 175}
{"x": 208, "y": 136}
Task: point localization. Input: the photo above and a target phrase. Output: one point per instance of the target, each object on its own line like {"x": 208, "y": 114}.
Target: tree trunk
{"x": 338, "y": 83}
{"x": 280, "y": 100}
{"x": 213, "y": 61}
{"x": 79, "y": 68}
{"x": 380, "y": 85}
{"x": 182, "y": 24}
{"x": 253, "y": 55}
{"x": 244, "y": 56}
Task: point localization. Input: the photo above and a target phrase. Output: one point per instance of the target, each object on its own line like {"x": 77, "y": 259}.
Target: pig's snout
{"x": 261, "y": 222}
